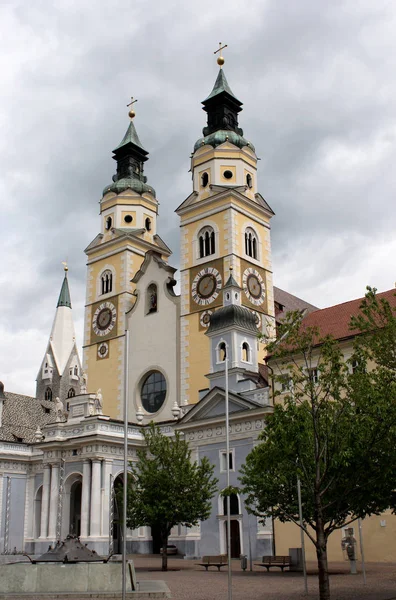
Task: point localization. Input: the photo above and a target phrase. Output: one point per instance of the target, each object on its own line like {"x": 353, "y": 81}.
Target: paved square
{"x": 187, "y": 581}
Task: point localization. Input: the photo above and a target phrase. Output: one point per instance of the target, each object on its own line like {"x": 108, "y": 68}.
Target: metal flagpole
{"x": 302, "y": 535}
{"x": 125, "y": 496}
{"x": 362, "y": 550}
{"x": 228, "y": 479}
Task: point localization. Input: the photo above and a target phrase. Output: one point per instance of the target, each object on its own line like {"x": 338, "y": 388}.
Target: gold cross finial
{"x": 220, "y": 59}
{"x": 132, "y": 113}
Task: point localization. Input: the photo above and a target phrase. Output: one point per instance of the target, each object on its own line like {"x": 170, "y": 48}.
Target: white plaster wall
{"x": 154, "y": 342}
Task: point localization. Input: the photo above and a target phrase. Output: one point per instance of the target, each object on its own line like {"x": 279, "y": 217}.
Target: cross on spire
{"x": 220, "y": 59}
{"x": 132, "y": 112}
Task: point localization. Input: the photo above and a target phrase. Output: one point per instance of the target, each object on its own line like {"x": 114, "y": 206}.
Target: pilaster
{"x": 53, "y": 503}
{"x": 45, "y": 502}
{"x": 85, "y": 498}
{"x": 95, "y": 498}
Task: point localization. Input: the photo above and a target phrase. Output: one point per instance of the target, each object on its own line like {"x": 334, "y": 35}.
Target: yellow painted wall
{"x": 106, "y": 374}
{"x": 379, "y": 542}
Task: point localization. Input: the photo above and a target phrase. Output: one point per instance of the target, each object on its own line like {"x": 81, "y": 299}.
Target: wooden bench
{"x": 274, "y": 561}
{"x": 214, "y": 561}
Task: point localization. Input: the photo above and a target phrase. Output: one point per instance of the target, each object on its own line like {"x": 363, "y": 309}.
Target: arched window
{"x": 75, "y": 370}
{"x": 234, "y": 504}
{"x": 204, "y": 179}
{"x": 71, "y": 393}
{"x": 107, "y": 282}
{"x": 245, "y": 352}
{"x": 251, "y": 243}
{"x": 249, "y": 180}
{"x": 108, "y": 223}
{"x": 48, "y": 394}
{"x": 206, "y": 238}
{"x": 147, "y": 224}
{"x": 222, "y": 352}
{"x": 151, "y": 299}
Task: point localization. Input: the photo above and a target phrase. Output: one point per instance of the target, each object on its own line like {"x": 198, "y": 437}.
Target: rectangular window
{"x": 223, "y": 460}
{"x": 313, "y": 375}
{"x": 286, "y": 384}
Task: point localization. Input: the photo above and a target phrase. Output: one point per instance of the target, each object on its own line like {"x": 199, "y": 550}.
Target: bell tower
{"x": 128, "y": 218}
{"x": 225, "y": 227}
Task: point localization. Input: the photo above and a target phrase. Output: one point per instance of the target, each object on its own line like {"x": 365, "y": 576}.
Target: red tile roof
{"x": 335, "y": 320}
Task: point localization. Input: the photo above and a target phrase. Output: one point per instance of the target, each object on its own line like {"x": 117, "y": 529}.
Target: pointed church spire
{"x": 64, "y": 296}
{"x": 222, "y": 108}
{"x": 220, "y": 86}
{"x": 130, "y": 156}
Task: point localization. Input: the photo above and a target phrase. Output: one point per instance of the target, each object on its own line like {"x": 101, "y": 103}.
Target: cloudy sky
{"x": 317, "y": 79}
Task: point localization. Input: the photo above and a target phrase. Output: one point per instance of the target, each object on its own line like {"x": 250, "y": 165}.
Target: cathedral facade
{"x": 61, "y": 453}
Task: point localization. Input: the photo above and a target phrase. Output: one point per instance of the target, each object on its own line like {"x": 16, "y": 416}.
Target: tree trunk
{"x": 164, "y": 540}
{"x": 321, "y": 553}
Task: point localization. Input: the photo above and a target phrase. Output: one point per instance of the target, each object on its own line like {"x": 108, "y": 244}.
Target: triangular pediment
{"x": 213, "y": 406}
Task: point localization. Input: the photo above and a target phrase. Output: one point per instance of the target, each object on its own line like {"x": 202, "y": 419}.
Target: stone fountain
{"x": 72, "y": 570}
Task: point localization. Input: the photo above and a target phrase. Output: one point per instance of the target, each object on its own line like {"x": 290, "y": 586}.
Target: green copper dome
{"x": 219, "y": 137}
{"x": 129, "y": 183}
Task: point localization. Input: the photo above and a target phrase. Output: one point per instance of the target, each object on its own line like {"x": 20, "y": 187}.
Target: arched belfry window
{"x": 206, "y": 238}
{"x": 48, "y": 394}
{"x": 251, "y": 243}
{"x": 221, "y": 352}
{"x": 204, "y": 179}
{"x": 71, "y": 393}
{"x": 151, "y": 299}
{"x": 245, "y": 352}
{"x": 106, "y": 282}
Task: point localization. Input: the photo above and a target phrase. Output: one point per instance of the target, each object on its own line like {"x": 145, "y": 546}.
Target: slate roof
{"x": 22, "y": 415}
{"x": 285, "y": 302}
{"x": 335, "y": 320}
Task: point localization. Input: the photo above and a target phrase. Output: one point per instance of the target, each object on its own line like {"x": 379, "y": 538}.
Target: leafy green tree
{"x": 336, "y": 431}
{"x": 168, "y": 488}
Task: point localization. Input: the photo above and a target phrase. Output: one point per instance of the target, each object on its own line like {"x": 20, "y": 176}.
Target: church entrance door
{"x": 235, "y": 538}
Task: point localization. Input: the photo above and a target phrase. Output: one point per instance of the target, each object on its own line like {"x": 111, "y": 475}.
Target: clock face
{"x": 253, "y": 286}
{"x": 103, "y": 350}
{"x": 206, "y": 286}
{"x": 204, "y": 318}
{"x": 104, "y": 318}
{"x": 258, "y": 318}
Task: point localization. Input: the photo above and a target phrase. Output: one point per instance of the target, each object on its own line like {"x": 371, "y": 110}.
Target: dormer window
{"x": 147, "y": 224}
{"x": 206, "y": 239}
{"x": 106, "y": 282}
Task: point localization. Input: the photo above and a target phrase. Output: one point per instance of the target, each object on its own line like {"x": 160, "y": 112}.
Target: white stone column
{"x": 45, "y": 502}
{"x": 95, "y": 498}
{"x": 107, "y": 467}
{"x": 53, "y": 503}
{"x": 85, "y": 498}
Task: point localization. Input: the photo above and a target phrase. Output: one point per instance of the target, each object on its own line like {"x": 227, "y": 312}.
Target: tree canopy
{"x": 335, "y": 429}
{"x": 168, "y": 488}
